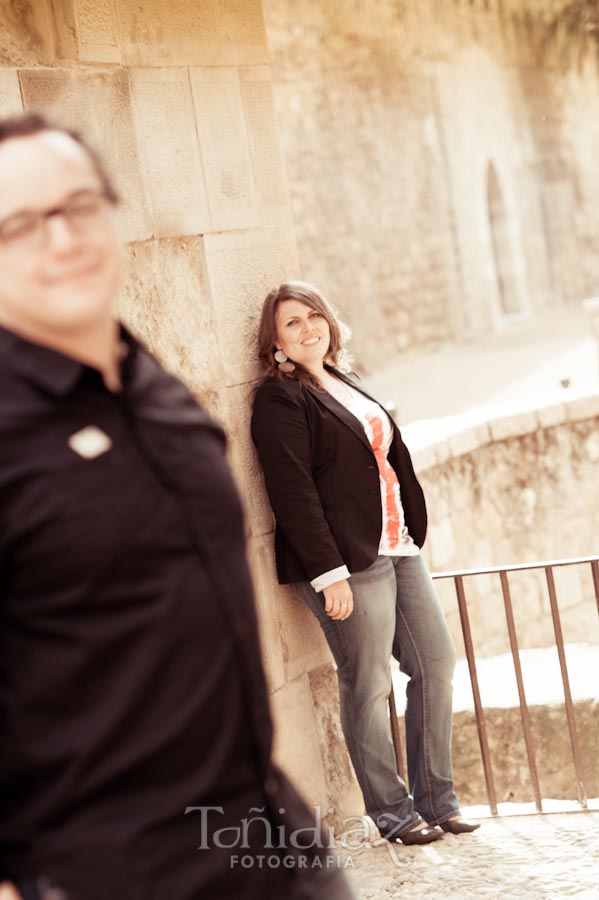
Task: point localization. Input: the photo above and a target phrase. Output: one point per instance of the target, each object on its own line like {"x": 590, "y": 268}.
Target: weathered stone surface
{"x": 10, "y": 94}
{"x": 86, "y": 31}
{"x": 99, "y": 104}
{"x": 299, "y": 731}
{"x": 513, "y": 425}
{"x": 557, "y": 776}
{"x": 169, "y": 152}
{"x": 345, "y": 798}
{"x": 554, "y": 414}
{"x": 468, "y": 440}
{"x": 187, "y": 33}
{"x": 225, "y": 149}
{"x": 519, "y": 500}
{"x": 268, "y": 603}
{"x": 305, "y": 641}
{"x": 287, "y": 621}
{"x": 377, "y": 100}
{"x": 489, "y": 226}
{"x": 357, "y": 128}
{"x": 263, "y": 134}
{"x": 242, "y": 268}
{"x": 293, "y": 641}
{"x": 425, "y": 458}
{"x": 238, "y": 400}
{"x": 65, "y": 31}
{"x": 166, "y": 299}
{"x": 26, "y": 33}
{"x": 97, "y": 30}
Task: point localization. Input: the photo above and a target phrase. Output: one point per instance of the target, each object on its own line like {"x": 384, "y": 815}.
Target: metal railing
{"x": 502, "y": 572}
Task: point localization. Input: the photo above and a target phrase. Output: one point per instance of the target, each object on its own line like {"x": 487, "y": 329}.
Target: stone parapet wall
{"x": 517, "y": 489}
{"x": 557, "y": 775}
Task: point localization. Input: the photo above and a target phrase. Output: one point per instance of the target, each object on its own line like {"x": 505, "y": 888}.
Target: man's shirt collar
{"x": 49, "y": 369}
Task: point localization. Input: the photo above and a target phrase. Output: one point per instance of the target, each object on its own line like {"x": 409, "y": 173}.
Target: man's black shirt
{"x": 131, "y": 685}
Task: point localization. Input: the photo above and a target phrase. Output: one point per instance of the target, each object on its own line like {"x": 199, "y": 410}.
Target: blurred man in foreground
{"x": 134, "y": 715}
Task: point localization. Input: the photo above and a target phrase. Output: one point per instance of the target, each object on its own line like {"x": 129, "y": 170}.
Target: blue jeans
{"x": 396, "y": 611}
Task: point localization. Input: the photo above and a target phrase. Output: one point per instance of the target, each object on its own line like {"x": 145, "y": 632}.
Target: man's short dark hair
{"x": 35, "y": 123}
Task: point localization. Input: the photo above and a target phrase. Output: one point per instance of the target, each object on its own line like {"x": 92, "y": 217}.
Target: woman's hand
{"x": 7, "y": 892}
{"x": 339, "y": 601}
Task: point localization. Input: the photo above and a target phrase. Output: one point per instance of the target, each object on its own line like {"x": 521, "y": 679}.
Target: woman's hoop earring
{"x": 283, "y": 361}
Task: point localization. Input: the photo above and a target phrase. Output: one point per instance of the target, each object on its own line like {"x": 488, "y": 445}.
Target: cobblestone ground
{"x": 540, "y": 857}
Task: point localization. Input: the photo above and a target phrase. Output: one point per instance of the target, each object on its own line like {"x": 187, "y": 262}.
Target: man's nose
{"x": 60, "y": 235}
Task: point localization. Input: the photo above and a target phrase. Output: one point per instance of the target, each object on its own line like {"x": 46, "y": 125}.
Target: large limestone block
{"x": 10, "y": 94}
{"x": 26, "y": 37}
{"x": 306, "y": 645}
{"x": 345, "y": 797}
{"x": 87, "y": 30}
{"x": 268, "y": 605}
{"x": 166, "y": 301}
{"x": 242, "y": 268}
{"x": 263, "y": 132}
{"x": 169, "y": 152}
{"x": 225, "y": 148}
{"x": 65, "y": 30}
{"x": 189, "y": 33}
{"x": 97, "y": 31}
{"x": 99, "y": 104}
{"x": 297, "y": 631}
{"x": 238, "y": 402}
{"x": 296, "y": 744}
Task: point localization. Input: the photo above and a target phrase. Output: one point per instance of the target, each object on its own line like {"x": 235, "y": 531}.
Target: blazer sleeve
{"x": 281, "y": 433}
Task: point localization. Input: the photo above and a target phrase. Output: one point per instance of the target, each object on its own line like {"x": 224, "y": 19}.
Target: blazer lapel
{"x": 352, "y": 382}
{"x": 341, "y": 412}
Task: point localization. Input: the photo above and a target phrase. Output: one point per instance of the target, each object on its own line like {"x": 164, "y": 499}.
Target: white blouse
{"x": 395, "y": 538}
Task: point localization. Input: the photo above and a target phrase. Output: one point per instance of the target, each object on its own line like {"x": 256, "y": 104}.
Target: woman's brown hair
{"x": 267, "y": 331}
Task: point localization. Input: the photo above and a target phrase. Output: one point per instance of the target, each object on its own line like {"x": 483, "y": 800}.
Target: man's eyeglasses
{"x": 83, "y": 212}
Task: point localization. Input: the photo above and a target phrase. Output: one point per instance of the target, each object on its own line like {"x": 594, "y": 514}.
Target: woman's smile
{"x": 302, "y": 333}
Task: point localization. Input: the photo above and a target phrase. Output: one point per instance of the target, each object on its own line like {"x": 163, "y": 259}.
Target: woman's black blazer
{"x": 323, "y": 481}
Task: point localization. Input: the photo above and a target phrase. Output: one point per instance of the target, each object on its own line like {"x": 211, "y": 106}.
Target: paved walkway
{"x": 527, "y": 361}
{"x": 537, "y": 857}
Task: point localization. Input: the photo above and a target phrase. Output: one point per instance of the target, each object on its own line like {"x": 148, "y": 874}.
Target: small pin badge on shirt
{"x": 90, "y": 442}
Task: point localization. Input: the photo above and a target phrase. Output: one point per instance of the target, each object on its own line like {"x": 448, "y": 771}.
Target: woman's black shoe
{"x": 417, "y": 836}
{"x": 459, "y": 826}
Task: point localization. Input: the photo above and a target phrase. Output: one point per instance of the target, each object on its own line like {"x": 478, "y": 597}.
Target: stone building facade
{"x": 439, "y": 184}
{"x": 441, "y": 162}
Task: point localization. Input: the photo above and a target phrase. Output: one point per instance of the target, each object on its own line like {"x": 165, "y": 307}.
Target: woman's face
{"x": 302, "y": 333}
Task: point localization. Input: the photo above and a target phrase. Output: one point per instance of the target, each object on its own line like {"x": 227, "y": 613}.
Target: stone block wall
{"x": 177, "y": 97}
{"x": 440, "y": 161}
